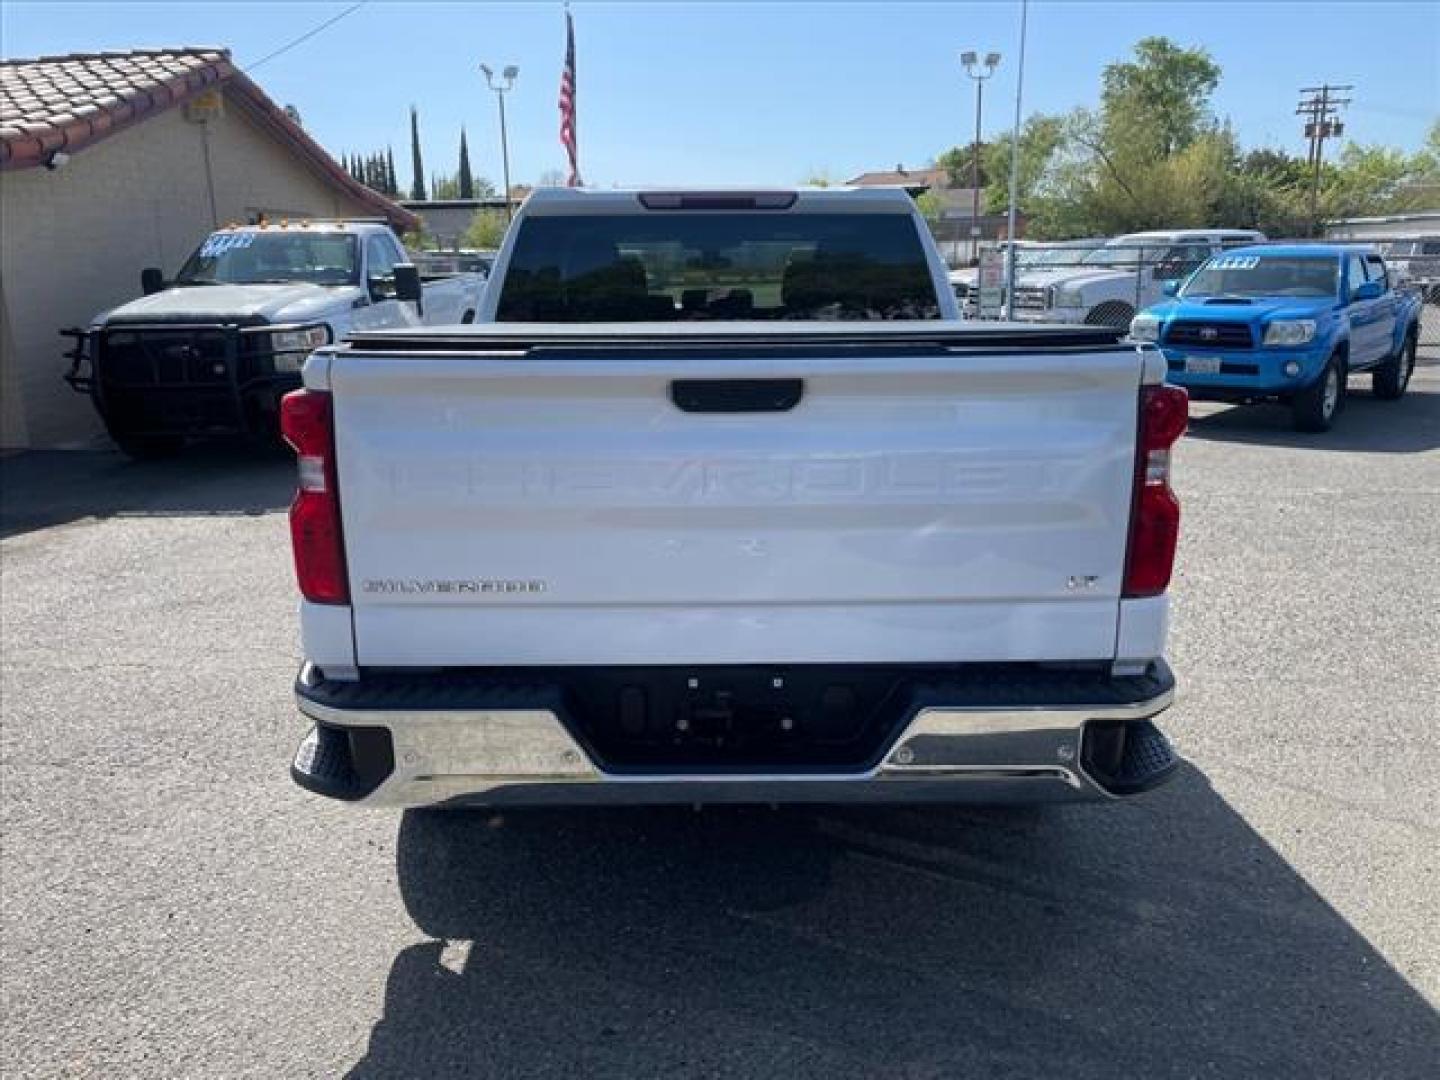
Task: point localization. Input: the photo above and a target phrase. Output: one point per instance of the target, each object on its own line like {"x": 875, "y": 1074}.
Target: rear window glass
{"x": 673, "y": 265}
{"x": 1235, "y": 274}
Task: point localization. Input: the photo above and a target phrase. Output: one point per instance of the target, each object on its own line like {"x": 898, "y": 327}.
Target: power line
{"x": 305, "y": 36}
{"x": 1322, "y": 112}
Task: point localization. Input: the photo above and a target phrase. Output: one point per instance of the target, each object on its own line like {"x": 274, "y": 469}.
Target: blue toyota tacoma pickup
{"x": 1289, "y": 323}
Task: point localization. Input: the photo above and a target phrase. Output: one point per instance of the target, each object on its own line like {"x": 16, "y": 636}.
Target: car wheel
{"x": 1114, "y": 313}
{"x": 1316, "y": 407}
{"x": 1393, "y": 376}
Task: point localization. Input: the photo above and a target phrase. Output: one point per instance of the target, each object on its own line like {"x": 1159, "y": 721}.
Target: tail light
{"x": 308, "y": 425}
{"x": 1155, "y": 514}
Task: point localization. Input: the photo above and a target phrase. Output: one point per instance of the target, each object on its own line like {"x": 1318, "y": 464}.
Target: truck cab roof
{"x": 1314, "y": 251}
{"x": 350, "y": 226}
{"x": 561, "y": 200}
{"x": 1181, "y": 236}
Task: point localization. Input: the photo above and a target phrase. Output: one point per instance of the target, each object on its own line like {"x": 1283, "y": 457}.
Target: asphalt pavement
{"x": 171, "y": 906}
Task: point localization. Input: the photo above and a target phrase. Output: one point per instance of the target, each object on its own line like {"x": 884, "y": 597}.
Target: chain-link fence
{"x": 1099, "y": 282}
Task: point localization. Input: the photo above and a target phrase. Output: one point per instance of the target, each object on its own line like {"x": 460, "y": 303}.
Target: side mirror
{"x": 1367, "y": 290}
{"x": 407, "y": 282}
{"x": 152, "y": 280}
{"x": 1170, "y": 288}
{"x": 381, "y": 287}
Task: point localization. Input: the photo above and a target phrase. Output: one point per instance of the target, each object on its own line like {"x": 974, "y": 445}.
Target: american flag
{"x": 567, "y": 103}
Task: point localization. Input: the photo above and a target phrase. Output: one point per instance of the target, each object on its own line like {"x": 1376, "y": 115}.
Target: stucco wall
{"x": 74, "y": 241}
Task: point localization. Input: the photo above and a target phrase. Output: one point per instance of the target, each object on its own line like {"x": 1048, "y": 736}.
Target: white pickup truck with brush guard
{"x": 212, "y": 351}
{"x": 719, "y": 501}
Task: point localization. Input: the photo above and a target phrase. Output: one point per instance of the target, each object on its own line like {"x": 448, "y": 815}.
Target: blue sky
{"x": 758, "y": 93}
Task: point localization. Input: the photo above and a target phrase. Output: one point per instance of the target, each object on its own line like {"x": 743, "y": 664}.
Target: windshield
{"x": 1266, "y": 275}
{"x": 1127, "y": 254}
{"x": 251, "y": 257}
{"x": 668, "y": 265}
{"x": 1062, "y": 256}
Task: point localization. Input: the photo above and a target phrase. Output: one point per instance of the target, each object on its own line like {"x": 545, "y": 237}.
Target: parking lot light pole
{"x": 1011, "y": 212}
{"x": 979, "y": 70}
{"x": 501, "y": 89}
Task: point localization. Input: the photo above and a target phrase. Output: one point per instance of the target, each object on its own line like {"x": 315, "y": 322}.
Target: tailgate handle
{"x": 736, "y": 395}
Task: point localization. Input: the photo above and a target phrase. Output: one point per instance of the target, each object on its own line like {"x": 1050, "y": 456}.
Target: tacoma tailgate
{"x": 745, "y": 495}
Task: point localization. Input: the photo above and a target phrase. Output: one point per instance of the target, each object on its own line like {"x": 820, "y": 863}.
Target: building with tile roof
{"x": 113, "y": 161}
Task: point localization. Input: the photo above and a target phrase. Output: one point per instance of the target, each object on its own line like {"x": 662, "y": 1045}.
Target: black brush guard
{"x": 166, "y": 379}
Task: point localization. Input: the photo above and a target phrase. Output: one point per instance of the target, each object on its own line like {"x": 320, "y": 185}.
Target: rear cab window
{"x": 706, "y": 266}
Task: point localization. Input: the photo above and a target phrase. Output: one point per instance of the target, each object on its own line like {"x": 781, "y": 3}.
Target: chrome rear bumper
{"x": 526, "y": 755}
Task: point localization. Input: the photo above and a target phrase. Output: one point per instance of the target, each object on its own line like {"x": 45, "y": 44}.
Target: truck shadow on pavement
{"x": 1368, "y": 425}
{"x": 1156, "y": 938}
{"x": 43, "y": 488}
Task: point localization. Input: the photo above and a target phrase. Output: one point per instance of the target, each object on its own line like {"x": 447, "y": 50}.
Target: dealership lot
{"x": 173, "y": 906}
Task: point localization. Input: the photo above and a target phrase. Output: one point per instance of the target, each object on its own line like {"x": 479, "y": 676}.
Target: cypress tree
{"x": 417, "y": 166}
{"x": 392, "y": 186}
{"x": 467, "y": 179}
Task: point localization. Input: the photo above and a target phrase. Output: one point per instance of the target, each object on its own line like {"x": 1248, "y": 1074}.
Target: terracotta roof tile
{"x": 69, "y": 102}
{"x": 60, "y": 97}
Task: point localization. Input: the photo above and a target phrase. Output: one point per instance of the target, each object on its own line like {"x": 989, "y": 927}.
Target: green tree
{"x": 419, "y": 240}
{"x": 486, "y": 230}
{"x": 1160, "y": 100}
{"x": 417, "y": 165}
{"x": 1041, "y": 137}
{"x": 392, "y": 185}
{"x": 467, "y": 179}
{"x": 931, "y": 207}
{"x": 444, "y": 187}
{"x": 959, "y": 164}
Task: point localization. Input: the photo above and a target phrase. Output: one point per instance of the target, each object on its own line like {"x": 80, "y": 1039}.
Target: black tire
{"x": 1114, "y": 313}
{"x": 1393, "y": 377}
{"x": 145, "y": 447}
{"x": 1316, "y": 407}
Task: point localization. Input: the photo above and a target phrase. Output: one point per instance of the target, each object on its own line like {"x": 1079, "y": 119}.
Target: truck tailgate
{"x": 556, "y": 506}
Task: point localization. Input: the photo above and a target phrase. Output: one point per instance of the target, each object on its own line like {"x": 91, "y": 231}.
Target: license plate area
{"x": 1202, "y": 365}
{"x": 727, "y": 718}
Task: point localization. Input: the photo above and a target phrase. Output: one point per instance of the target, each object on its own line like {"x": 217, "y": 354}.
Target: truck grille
{"x": 1029, "y": 298}
{"x": 157, "y": 379}
{"x": 1210, "y": 335}
{"x": 154, "y": 358}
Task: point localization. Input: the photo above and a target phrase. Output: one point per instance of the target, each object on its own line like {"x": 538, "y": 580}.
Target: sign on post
{"x": 991, "y": 283}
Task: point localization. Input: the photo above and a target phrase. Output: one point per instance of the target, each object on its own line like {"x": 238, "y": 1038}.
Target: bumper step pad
{"x": 343, "y": 763}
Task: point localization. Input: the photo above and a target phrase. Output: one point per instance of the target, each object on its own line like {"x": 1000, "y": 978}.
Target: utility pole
{"x": 1321, "y": 109}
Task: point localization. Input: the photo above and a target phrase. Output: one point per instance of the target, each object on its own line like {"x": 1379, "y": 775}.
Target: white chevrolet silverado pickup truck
{"x": 719, "y": 501}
